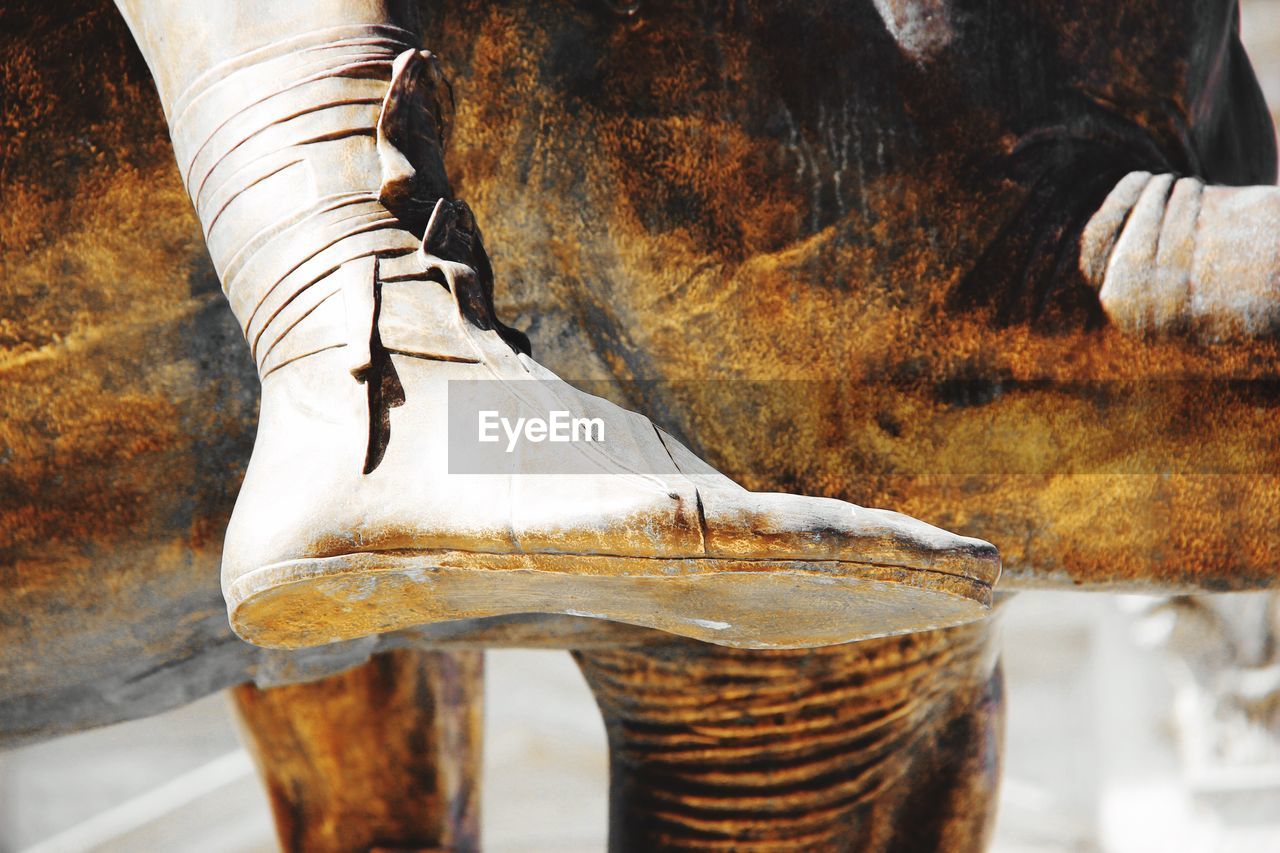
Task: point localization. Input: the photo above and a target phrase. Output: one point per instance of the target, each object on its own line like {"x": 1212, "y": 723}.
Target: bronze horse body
{"x": 835, "y": 248}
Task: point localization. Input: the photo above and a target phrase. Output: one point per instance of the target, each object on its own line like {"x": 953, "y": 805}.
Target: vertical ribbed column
{"x": 884, "y": 745}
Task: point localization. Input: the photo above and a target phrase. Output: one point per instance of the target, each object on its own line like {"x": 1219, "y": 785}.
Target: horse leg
{"x": 383, "y": 756}
{"x": 885, "y": 745}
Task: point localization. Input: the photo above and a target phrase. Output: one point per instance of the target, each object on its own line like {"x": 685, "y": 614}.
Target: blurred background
{"x": 1134, "y": 724}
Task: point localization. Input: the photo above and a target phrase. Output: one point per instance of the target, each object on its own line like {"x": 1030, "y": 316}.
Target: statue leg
{"x": 884, "y": 745}
{"x": 310, "y": 137}
{"x": 386, "y": 755}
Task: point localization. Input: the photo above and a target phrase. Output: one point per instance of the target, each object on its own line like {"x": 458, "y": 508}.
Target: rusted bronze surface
{"x": 129, "y": 406}
{"x": 874, "y": 219}
{"x": 314, "y": 157}
{"x": 750, "y": 210}
{"x": 385, "y": 756}
{"x": 886, "y": 745}
{"x": 802, "y": 217}
{"x": 888, "y": 239}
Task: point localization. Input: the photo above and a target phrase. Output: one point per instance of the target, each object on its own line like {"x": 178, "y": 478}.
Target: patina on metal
{"x": 892, "y": 229}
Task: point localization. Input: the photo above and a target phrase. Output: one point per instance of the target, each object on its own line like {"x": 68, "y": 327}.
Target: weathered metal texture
{"x": 888, "y": 745}
{"x": 383, "y": 757}
{"x": 870, "y": 211}
{"x": 884, "y": 241}
{"x": 881, "y": 231}
{"x": 314, "y": 158}
{"x": 129, "y": 406}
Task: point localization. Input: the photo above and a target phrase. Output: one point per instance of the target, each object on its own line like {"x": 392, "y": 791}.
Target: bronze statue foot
{"x": 315, "y": 160}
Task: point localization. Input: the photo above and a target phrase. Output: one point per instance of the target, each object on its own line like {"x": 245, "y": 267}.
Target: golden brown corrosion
{"x": 385, "y": 756}
{"x": 128, "y": 401}
{"x": 884, "y": 745}
{"x": 835, "y": 255}
{"x": 834, "y": 262}
{"x": 839, "y": 270}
